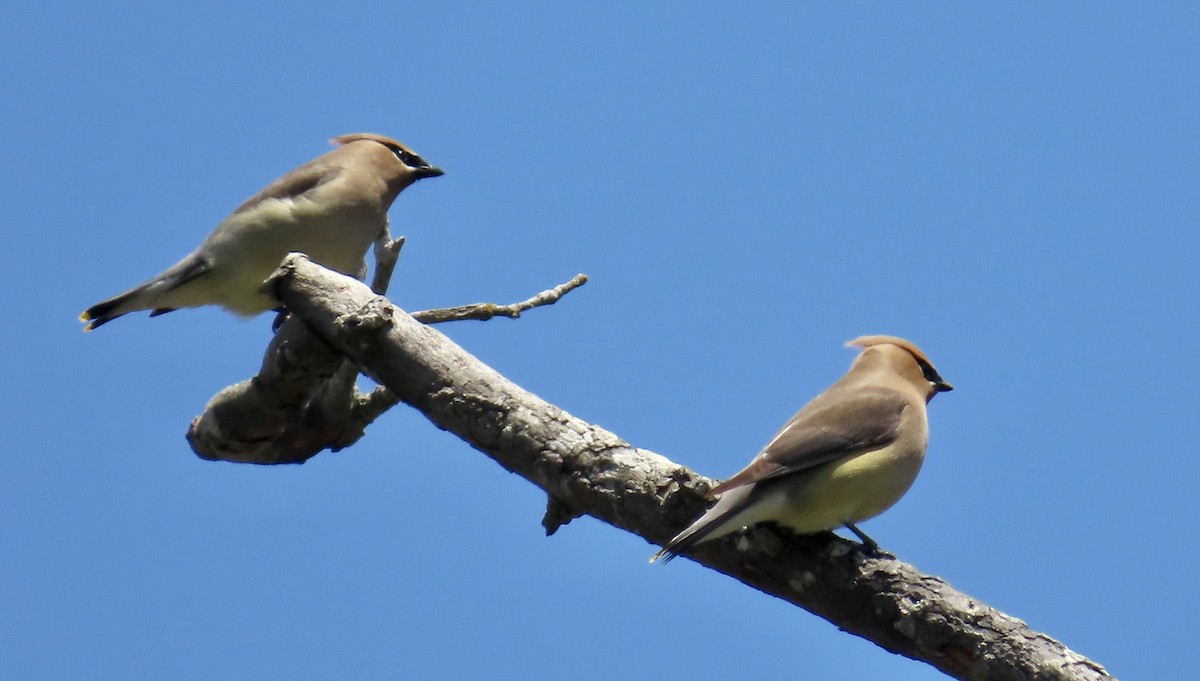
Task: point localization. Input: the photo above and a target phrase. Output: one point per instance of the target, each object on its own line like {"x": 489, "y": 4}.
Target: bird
{"x": 331, "y": 208}
{"x": 846, "y": 456}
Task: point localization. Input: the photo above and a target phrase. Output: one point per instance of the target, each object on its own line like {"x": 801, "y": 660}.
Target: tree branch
{"x": 304, "y": 398}
{"x": 586, "y": 469}
{"x": 485, "y": 311}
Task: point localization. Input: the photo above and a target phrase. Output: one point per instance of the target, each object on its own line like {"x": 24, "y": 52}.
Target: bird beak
{"x": 942, "y": 387}
{"x": 428, "y": 171}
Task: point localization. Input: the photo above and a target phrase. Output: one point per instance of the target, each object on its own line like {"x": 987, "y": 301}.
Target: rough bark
{"x": 304, "y": 398}
{"x": 585, "y": 469}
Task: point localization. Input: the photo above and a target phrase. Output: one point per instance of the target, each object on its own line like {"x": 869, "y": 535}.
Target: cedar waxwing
{"x": 845, "y": 457}
{"x": 332, "y": 209}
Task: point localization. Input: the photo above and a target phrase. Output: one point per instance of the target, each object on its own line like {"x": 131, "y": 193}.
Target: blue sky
{"x": 1012, "y": 187}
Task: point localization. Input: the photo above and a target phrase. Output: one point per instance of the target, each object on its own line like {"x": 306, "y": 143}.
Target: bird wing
{"x": 835, "y": 424}
{"x": 292, "y": 185}
{"x": 181, "y": 273}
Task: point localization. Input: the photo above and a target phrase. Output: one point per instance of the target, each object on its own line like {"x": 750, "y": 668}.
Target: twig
{"x": 485, "y": 311}
{"x": 387, "y": 253}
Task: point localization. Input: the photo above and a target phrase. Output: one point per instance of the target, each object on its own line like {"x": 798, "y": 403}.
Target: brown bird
{"x": 332, "y": 209}
{"x": 847, "y": 456}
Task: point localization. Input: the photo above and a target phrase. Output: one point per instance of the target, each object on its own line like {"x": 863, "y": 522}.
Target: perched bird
{"x": 845, "y": 457}
{"x": 331, "y": 208}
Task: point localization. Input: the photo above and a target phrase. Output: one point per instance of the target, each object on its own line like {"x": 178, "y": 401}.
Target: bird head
{"x": 911, "y": 353}
{"x": 399, "y": 164}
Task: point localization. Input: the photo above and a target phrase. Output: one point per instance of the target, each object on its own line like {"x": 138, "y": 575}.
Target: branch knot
{"x": 375, "y": 315}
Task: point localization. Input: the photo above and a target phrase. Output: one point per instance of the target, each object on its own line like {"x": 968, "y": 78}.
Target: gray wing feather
{"x": 835, "y": 424}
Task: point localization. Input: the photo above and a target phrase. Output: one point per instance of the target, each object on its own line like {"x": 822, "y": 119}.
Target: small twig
{"x": 387, "y": 252}
{"x": 370, "y": 406}
{"x": 485, "y": 311}
{"x": 557, "y": 515}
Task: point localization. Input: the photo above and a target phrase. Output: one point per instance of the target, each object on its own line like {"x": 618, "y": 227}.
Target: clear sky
{"x": 1013, "y": 187}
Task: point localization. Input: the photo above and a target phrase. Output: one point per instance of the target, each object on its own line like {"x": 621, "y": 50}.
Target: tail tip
{"x": 99, "y": 314}
{"x": 665, "y": 555}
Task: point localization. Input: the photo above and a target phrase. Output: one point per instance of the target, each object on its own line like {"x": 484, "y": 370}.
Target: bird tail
{"x": 103, "y": 312}
{"x": 685, "y": 540}
{"x": 663, "y": 554}
{"x": 712, "y": 524}
{"x": 148, "y": 296}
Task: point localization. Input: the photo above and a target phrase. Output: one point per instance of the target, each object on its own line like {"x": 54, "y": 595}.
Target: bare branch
{"x": 486, "y": 311}
{"x": 305, "y": 399}
{"x": 371, "y": 406}
{"x": 387, "y": 253}
{"x": 586, "y": 469}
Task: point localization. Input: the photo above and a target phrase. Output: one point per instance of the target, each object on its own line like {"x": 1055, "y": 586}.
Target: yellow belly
{"x": 853, "y": 490}
{"x": 829, "y": 496}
